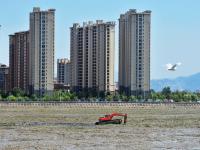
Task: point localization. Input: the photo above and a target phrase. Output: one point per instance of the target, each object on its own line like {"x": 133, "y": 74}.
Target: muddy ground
{"x": 63, "y": 128}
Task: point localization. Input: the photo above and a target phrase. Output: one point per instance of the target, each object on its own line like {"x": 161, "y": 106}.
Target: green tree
{"x": 17, "y": 92}
{"x": 11, "y": 98}
{"x": 19, "y": 98}
{"x": 166, "y": 92}
{"x": 73, "y": 96}
{"x": 57, "y": 95}
{"x": 109, "y": 98}
{"x": 116, "y": 97}
{"x": 194, "y": 97}
{"x": 66, "y": 98}
{"x": 132, "y": 98}
{"x": 34, "y": 97}
{"x": 123, "y": 97}
{"x": 154, "y": 96}
{"x": 187, "y": 97}
{"x": 47, "y": 98}
{"x": 198, "y": 95}
{"x": 175, "y": 97}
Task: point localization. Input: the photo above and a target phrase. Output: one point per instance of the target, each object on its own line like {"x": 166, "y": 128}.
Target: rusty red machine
{"x": 108, "y": 119}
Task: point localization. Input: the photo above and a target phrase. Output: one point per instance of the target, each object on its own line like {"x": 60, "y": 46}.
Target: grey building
{"x": 134, "y": 52}
{"x": 19, "y": 60}
{"x": 41, "y": 73}
{"x": 92, "y": 56}
{"x": 4, "y": 78}
{"x": 63, "y": 71}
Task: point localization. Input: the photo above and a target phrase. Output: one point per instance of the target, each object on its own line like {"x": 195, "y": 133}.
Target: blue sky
{"x": 175, "y": 34}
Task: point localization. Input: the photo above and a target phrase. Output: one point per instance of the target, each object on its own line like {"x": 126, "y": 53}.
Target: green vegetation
{"x": 176, "y": 96}
{"x": 166, "y": 95}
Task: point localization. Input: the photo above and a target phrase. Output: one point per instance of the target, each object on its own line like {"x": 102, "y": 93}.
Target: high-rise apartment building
{"x": 92, "y": 56}
{"x": 134, "y": 52}
{"x": 41, "y": 51}
{"x": 19, "y": 60}
{"x": 4, "y": 78}
{"x": 63, "y": 71}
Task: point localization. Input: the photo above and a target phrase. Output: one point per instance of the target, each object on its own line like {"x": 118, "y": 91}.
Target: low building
{"x": 63, "y": 71}
{"x": 62, "y": 87}
{"x": 4, "y": 78}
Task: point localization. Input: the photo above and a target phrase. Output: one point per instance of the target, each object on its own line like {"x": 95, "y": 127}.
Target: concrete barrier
{"x": 94, "y": 104}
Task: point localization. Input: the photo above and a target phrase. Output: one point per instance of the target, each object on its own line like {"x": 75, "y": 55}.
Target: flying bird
{"x": 172, "y": 67}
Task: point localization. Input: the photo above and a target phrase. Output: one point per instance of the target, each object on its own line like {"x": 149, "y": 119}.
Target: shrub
{"x": 11, "y": 98}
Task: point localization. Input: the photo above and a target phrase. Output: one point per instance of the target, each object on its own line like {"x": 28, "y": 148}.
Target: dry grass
{"x": 161, "y": 127}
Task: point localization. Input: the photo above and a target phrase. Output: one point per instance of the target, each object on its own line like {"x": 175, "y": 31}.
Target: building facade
{"x": 92, "y": 56}
{"x": 41, "y": 51}
{"x": 19, "y": 60}
{"x": 63, "y": 71}
{"x": 134, "y": 52}
{"x": 4, "y": 78}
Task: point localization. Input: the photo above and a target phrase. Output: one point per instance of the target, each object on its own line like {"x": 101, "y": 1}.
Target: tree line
{"x": 166, "y": 95}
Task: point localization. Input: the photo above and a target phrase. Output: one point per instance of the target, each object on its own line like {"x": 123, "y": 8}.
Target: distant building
{"x": 63, "y": 87}
{"x": 134, "y": 52}
{"x": 92, "y": 56}
{"x": 63, "y": 71}
{"x": 19, "y": 60}
{"x": 4, "y": 78}
{"x": 116, "y": 86}
{"x": 41, "y": 51}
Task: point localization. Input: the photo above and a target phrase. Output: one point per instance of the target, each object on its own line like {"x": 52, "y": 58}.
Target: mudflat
{"x": 62, "y": 127}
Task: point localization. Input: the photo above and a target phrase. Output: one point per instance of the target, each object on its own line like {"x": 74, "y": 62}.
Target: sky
{"x": 175, "y": 28}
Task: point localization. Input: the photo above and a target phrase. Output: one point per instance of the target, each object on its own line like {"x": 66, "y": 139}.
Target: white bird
{"x": 171, "y": 67}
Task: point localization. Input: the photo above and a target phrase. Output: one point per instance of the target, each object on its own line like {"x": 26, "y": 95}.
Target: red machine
{"x": 108, "y": 119}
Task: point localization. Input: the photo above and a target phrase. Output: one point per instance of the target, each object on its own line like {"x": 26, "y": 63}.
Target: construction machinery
{"x": 108, "y": 119}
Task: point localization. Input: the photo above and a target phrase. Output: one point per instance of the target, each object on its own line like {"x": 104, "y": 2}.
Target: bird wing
{"x": 174, "y": 67}
{"x": 169, "y": 66}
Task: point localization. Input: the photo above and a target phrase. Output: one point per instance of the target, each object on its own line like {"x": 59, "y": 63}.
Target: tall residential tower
{"x": 134, "y": 52}
{"x": 19, "y": 60}
{"x": 41, "y": 51}
{"x": 92, "y": 56}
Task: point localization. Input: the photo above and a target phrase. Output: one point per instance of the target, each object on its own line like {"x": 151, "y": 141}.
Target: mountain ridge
{"x": 189, "y": 83}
